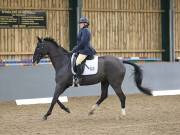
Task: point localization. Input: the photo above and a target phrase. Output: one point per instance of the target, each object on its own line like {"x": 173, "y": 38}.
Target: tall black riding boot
{"x": 78, "y": 73}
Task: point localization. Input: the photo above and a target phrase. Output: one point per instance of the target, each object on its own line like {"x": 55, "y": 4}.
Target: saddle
{"x": 88, "y": 67}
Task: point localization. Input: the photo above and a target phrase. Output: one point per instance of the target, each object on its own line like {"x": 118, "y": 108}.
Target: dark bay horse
{"x": 111, "y": 72}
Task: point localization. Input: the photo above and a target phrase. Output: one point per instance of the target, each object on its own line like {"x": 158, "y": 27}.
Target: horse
{"x": 111, "y": 71}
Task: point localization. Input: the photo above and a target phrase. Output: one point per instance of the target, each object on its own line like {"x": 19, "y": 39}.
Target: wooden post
{"x": 165, "y": 5}
{"x": 73, "y": 23}
{"x": 79, "y": 12}
{"x": 74, "y": 15}
{"x": 171, "y": 30}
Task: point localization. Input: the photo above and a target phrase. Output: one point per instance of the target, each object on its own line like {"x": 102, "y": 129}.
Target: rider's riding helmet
{"x": 84, "y": 20}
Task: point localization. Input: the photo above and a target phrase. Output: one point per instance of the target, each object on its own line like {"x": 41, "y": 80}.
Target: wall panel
{"x": 128, "y": 28}
{"x": 19, "y": 44}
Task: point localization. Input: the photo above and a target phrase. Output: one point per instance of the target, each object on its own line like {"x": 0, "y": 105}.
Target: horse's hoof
{"x": 45, "y": 118}
{"x": 94, "y": 107}
{"x": 67, "y": 110}
{"x": 123, "y": 112}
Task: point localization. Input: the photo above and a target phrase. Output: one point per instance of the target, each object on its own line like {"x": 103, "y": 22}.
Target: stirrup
{"x": 75, "y": 82}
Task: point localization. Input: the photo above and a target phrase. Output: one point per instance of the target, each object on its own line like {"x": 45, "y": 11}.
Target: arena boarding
{"x": 159, "y": 76}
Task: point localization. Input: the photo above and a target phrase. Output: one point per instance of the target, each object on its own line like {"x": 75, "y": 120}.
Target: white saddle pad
{"x": 91, "y": 66}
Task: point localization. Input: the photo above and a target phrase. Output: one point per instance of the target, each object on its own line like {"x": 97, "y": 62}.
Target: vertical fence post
{"x": 74, "y": 15}
{"x": 165, "y": 29}
{"x": 79, "y": 12}
{"x": 171, "y": 31}
{"x": 72, "y": 23}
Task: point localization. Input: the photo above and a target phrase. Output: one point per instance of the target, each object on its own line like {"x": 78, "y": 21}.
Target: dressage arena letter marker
{"x": 39, "y": 100}
{"x": 166, "y": 92}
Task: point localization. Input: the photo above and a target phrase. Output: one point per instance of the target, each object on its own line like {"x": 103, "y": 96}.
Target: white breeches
{"x": 80, "y": 58}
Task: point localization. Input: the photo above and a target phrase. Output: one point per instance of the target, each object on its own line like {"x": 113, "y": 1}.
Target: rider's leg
{"x": 79, "y": 60}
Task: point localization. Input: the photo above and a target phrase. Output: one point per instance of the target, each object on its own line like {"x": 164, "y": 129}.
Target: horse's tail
{"x": 138, "y": 76}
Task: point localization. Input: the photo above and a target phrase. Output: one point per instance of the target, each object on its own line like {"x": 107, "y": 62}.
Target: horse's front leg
{"x": 63, "y": 107}
{"x": 58, "y": 91}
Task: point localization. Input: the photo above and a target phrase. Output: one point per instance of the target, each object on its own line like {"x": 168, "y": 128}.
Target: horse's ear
{"x": 39, "y": 39}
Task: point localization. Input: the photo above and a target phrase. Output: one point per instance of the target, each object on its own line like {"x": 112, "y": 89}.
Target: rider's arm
{"x": 85, "y": 37}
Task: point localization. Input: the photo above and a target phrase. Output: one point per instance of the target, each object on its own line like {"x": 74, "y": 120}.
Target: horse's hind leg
{"x": 121, "y": 96}
{"x": 104, "y": 94}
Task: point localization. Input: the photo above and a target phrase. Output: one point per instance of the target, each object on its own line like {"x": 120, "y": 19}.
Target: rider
{"x": 83, "y": 48}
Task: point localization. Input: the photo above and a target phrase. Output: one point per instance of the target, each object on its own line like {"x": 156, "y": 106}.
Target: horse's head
{"x": 40, "y": 51}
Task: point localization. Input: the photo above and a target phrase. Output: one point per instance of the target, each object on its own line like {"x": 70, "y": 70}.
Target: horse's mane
{"x": 55, "y": 43}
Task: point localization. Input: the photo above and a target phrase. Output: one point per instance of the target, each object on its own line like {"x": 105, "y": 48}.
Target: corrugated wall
{"x": 125, "y": 28}
{"x": 20, "y": 43}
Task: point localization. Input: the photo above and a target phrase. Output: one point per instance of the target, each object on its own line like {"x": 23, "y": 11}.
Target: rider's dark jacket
{"x": 83, "y": 43}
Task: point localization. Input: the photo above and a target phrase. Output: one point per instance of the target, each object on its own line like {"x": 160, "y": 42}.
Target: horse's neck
{"x": 58, "y": 58}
